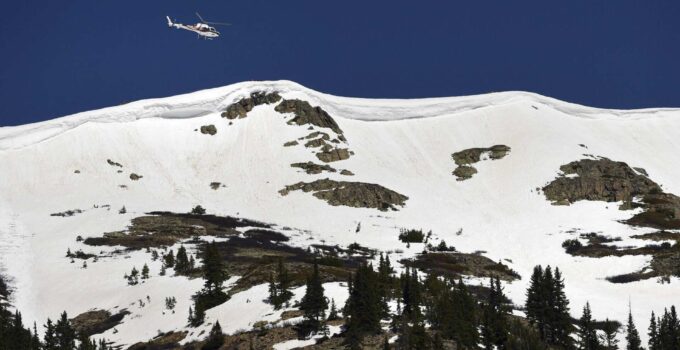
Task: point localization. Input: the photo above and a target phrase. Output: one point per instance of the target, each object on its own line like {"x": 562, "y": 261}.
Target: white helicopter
{"x": 203, "y": 29}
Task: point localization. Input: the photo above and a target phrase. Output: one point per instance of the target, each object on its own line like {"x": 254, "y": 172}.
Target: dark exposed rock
{"x": 135, "y": 177}
{"x": 474, "y": 155}
{"x": 67, "y": 213}
{"x": 464, "y": 172}
{"x": 315, "y": 143}
{"x": 76, "y": 171}
{"x": 598, "y": 180}
{"x": 313, "y": 168}
{"x": 329, "y": 154}
{"x": 602, "y": 179}
{"x": 208, "y": 129}
{"x": 316, "y": 134}
{"x": 96, "y": 321}
{"x": 351, "y": 194}
{"x": 241, "y": 108}
{"x": 215, "y": 185}
{"x": 290, "y": 143}
{"x": 112, "y": 163}
{"x": 470, "y": 156}
{"x": 346, "y": 172}
{"x": 164, "y": 341}
{"x": 306, "y": 114}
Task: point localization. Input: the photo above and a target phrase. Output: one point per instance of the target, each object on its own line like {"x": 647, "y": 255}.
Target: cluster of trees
{"x": 547, "y": 307}
{"x": 183, "y": 263}
{"x": 58, "y": 336}
{"x": 279, "y": 286}
{"x": 664, "y": 331}
{"x": 134, "y": 276}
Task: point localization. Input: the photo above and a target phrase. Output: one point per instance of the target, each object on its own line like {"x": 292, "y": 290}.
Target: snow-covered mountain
{"x": 86, "y": 161}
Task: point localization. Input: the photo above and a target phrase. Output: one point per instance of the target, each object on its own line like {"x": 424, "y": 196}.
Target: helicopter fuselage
{"x": 201, "y": 29}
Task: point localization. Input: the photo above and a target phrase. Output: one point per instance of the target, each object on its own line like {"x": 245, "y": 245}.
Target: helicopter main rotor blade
{"x": 213, "y": 23}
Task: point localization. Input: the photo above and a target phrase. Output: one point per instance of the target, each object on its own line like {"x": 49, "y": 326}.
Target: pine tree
{"x": 632, "y": 335}
{"x": 213, "y": 268}
{"x": 279, "y": 288}
{"x": 181, "y": 260}
{"x": 363, "y": 306}
{"x": 333, "y": 313}
{"x": 314, "y": 303}
{"x": 215, "y": 339}
{"x": 64, "y": 333}
{"x": 587, "y": 335}
{"x": 169, "y": 259}
{"x": 609, "y": 331}
{"x": 653, "y": 334}
{"x": 494, "y": 332}
{"x": 145, "y": 272}
{"x": 50, "y": 338}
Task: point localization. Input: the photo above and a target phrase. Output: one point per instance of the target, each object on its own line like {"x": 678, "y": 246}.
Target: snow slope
{"x": 404, "y": 145}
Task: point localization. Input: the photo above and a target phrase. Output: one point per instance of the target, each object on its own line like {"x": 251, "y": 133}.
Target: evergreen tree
{"x": 50, "y": 338}
{"x": 215, "y": 339}
{"x": 609, "y": 331}
{"x": 279, "y": 288}
{"x": 494, "y": 332}
{"x": 169, "y": 259}
{"x": 64, "y": 333}
{"x": 181, "y": 261}
{"x": 213, "y": 268}
{"x": 653, "y": 334}
{"x": 145, "y": 272}
{"x": 333, "y": 313}
{"x": 363, "y": 306}
{"x": 632, "y": 335}
{"x": 547, "y": 307}
{"x": 587, "y": 335}
{"x": 313, "y": 303}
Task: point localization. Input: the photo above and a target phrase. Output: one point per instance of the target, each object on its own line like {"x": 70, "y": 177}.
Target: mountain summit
{"x": 509, "y": 180}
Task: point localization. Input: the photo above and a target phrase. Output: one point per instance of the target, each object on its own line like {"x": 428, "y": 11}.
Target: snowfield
{"x": 403, "y": 145}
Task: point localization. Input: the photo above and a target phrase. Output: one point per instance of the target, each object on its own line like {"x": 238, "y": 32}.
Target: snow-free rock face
{"x": 399, "y": 152}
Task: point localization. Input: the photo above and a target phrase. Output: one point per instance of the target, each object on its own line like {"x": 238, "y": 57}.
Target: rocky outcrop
{"x": 598, "y": 180}
{"x": 96, "y": 321}
{"x": 112, "y": 163}
{"x": 209, "y": 129}
{"x": 464, "y": 172}
{"x": 351, "y": 194}
{"x": 474, "y": 155}
{"x": 135, "y": 177}
{"x": 605, "y": 180}
{"x": 313, "y": 168}
{"x": 241, "y": 108}
{"x": 290, "y": 143}
{"x": 469, "y": 156}
{"x": 346, "y": 172}
{"x": 331, "y": 154}
{"x": 306, "y": 114}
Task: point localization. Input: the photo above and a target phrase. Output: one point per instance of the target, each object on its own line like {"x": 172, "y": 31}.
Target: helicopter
{"x": 203, "y": 28}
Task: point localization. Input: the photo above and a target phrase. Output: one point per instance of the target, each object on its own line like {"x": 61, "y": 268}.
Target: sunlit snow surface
{"x": 404, "y": 145}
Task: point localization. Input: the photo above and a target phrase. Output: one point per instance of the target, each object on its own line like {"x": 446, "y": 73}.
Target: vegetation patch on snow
{"x": 165, "y": 228}
{"x": 351, "y": 194}
{"x": 455, "y": 264}
{"x": 665, "y": 256}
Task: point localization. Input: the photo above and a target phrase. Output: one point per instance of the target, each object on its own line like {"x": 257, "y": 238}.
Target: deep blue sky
{"x": 62, "y": 57}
